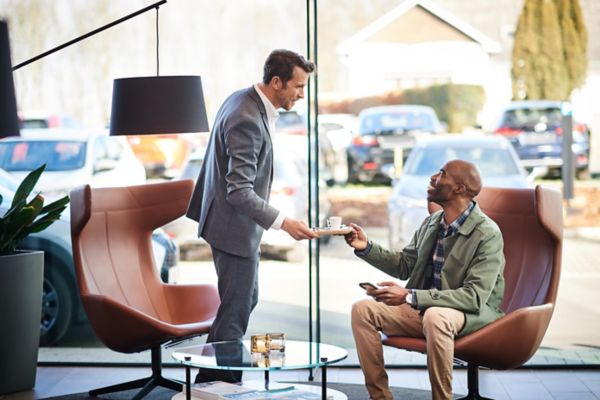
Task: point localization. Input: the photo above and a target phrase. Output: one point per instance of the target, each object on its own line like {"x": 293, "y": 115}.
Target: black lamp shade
{"x": 9, "y": 120}
{"x": 158, "y": 104}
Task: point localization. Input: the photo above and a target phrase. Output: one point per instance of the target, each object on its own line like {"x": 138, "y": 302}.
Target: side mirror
{"x": 103, "y": 165}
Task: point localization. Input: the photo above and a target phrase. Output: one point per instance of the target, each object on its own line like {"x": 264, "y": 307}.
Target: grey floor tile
{"x": 575, "y": 396}
{"x": 588, "y": 375}
{"x": 527, "y": 391}
{"x": 517, "y": 376}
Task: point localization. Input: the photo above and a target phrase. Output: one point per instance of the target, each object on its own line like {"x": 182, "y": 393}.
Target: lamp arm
{"x": 70, "y": 42}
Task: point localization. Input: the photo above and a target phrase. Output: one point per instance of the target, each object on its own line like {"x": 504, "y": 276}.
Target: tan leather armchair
{"x": 128, "y": 306}
{"x": 531, "y": 222}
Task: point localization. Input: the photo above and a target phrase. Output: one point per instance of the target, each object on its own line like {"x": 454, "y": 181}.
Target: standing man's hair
{"x": 281, "y": 63}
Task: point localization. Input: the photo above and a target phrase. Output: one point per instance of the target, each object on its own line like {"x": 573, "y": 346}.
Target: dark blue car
{"x": 534, "y": 127}
{"x": 385, "y": 136}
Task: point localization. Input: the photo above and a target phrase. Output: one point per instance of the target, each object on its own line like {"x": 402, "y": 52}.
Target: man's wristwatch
{"x": 410, "y": 298}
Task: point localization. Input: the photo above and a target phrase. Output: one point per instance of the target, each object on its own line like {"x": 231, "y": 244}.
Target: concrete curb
{"x": 589, "y": 233}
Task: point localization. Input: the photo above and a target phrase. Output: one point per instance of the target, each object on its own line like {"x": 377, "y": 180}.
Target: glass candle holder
{"x": 277, "y": 341}
{"x": 260, "y": 344}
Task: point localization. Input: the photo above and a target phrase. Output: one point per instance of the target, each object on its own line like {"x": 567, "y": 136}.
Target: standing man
{"x": 454, "y": 266}
{"x": 230, "y": 200}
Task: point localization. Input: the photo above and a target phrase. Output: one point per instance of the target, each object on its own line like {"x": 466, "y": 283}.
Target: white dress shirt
{"x": 272, "y": 116}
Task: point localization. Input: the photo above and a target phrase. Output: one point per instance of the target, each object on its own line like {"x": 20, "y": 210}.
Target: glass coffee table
{"x": 236, "y": 355}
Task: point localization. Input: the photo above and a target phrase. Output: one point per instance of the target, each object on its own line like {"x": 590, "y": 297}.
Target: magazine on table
{"x": 216, "y": 390}
{"x": 292, "y": 394}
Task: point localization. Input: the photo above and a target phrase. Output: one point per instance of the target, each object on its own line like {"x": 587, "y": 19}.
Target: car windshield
{"x": 29, "y": 155}
{"x": 492, "y": 162}
{"x": 396, "y": 122}
{"x": 532, "y": 119}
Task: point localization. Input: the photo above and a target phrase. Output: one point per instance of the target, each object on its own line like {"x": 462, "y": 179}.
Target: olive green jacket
{"x": 472, "y": 275}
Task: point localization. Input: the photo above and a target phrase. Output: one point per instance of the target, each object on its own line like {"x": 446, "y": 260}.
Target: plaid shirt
{"x": 439, "y": 257}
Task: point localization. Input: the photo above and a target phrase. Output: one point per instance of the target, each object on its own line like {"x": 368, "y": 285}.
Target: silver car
{"x": 494, "y": 156}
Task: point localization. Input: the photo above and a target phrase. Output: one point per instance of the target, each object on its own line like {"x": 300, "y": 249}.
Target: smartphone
{"x": 367, "y": 285}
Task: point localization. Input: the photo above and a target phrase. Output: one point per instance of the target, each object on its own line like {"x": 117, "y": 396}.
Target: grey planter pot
{"x": 21, "y": 277}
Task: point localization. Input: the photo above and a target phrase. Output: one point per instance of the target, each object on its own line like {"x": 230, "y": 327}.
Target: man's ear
{"x": 460, "y": 188}
{"x": 277, "y": 83}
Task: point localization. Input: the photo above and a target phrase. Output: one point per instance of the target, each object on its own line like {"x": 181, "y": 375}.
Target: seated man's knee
{"x": 361, "y": 309}
{"x": 437, "y": 319}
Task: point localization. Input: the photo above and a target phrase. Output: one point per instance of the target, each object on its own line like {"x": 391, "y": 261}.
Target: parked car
{"x": 335, "y": 135}
{"x": 73, "y": 157}
{"x": 41, "y": 120}
{"x": 291, "y": 122}
{"x": 289, "y": 193}
{"x": 384, "y": 134}
{"x": 61, "y": 307}
{"x": 161, "y": 155}
{"x": 534, "y": 128}
{"x": 494, "y": 156}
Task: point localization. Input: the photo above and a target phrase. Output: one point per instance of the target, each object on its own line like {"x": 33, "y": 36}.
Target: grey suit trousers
{"x": 238, "y": 290}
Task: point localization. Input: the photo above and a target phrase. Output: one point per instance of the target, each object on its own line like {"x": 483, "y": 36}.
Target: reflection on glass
{"x": 272, "y": 360}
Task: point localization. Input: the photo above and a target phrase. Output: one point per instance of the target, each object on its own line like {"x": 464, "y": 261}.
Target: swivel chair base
{"x": 147, "y": 384}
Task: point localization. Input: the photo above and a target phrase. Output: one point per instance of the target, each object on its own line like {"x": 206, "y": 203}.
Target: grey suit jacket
{"x": 230, "y": 200}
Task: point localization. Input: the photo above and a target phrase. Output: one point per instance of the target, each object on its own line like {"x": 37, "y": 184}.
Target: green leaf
{"x": 23, "y": 217}
{"x": 18, "y": 223}
{"x": 15, "y": 208}
{"x": 46, "y": 220}
{"x": 28, "y": 184}
{"x": 37, "y": 203}
{"x": 62, "y": 202}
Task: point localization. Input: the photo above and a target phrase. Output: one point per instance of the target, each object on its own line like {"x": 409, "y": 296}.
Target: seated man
{"x": 454, "y": 267}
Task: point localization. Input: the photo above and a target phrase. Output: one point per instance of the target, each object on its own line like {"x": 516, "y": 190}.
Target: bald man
{"x": 454, "y": 270}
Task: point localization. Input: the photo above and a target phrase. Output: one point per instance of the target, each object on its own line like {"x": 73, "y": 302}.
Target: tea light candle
{"x": 260, "y": 344}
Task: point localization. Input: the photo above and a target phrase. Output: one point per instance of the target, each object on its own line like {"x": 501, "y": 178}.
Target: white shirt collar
{"x": 272, "y": 113}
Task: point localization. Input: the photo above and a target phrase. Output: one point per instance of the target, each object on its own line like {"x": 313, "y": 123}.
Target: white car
{"x": 73, "y": 157}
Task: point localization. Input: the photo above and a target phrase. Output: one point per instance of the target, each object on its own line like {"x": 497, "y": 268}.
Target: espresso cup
{"x": 334, "y": 222}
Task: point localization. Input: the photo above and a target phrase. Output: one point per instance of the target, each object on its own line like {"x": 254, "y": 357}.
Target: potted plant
{"x": 21, "y": 277}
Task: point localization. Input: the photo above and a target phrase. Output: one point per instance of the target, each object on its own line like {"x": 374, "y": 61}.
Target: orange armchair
{"x": 128, "y": 306}
{"x": 531, "y": 222}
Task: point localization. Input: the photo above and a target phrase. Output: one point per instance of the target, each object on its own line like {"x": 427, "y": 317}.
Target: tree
{"x": 575, "y": 39}
{"x": 549, "y": 57}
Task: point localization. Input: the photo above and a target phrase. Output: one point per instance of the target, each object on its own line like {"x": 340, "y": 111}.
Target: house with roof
{"x": 416, "y": 44}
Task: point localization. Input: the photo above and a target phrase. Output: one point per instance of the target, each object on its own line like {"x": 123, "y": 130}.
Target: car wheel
{"x": 584, "y": 174}
{"x": 352, "y": 176}
{"x": 57, "y": 307}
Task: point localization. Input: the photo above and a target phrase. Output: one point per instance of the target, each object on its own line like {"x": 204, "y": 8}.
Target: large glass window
{"x": 358, "y": 176}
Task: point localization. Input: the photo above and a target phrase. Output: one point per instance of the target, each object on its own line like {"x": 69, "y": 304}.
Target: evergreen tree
{"x": 523, "y": 55}
{"x": 575, "y": 40}
{"x": 552, "y": 71}
{"x": 549, "y": 53}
